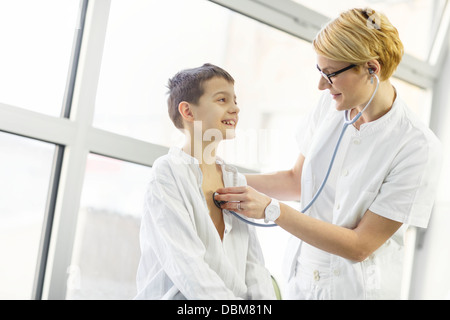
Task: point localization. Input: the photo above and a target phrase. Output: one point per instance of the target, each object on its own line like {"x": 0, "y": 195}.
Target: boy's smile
{"x": 230, "y": 122}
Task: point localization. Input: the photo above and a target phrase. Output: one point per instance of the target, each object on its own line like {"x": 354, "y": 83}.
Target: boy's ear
{"x": 184, "y": 108}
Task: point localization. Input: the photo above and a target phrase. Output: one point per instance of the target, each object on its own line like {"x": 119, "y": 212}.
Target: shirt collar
{"x": 229, "y": 171}
{"x": 179, "y": 153}
{"x": 372, "y": 127}
{"x": 176, "y": 151}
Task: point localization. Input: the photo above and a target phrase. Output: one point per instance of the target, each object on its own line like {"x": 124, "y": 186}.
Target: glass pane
{"x": 144, "y": 48}
{"x": 37, "y": 41}
{"x": 417, "y": 99}
{"x": 415, "y": 20}
{"x": 106, "y": 251}
{"x": 25, "y": 170}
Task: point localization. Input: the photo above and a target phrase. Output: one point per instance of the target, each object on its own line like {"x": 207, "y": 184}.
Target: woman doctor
{"x": 349, "y": 244}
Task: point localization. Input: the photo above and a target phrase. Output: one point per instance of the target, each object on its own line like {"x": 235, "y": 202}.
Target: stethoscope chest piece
{"x": 216, "y": 202}
{"x": 219, "y": 203}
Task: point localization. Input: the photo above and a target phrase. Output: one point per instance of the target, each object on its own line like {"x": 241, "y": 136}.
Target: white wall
{"x": 431, "y": 276}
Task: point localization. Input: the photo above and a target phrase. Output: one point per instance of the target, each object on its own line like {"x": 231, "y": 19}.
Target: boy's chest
{"x": 209, "y": 185}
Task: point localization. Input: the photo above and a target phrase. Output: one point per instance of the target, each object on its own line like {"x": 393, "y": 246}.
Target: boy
{"x": 190, "y": 248}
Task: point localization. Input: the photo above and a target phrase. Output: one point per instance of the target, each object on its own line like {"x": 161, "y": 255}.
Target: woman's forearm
{"x": 326, "y": 236}
{"x": 354, "y": 244}
{"x": 282, "y": 185}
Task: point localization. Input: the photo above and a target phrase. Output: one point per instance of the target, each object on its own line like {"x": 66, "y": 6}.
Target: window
{"x": 25, "y": 170}
{"x": 417, "y": 21}
{"x": 106, "y": 251}
{"x": 36, "y": 52}
{"x": 144, "y": 48}
{"x": 417, "y": 99}
{"x": 276, "y": 87}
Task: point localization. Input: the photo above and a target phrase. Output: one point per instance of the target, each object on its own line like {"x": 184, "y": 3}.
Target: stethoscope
{"x": 347, "y": 122}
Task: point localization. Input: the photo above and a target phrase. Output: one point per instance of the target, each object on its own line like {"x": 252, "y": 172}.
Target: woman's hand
{"x": 244, "y": 200}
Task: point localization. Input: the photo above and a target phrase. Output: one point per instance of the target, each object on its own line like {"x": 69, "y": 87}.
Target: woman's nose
{"x": 323, "y": 84}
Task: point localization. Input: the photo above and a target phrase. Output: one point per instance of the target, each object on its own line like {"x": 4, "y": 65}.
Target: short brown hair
{"x": 358, "y": 36}
{"x": 187, "y": 85}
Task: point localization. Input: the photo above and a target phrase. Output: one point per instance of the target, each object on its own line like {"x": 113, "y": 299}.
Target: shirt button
{"x": 345, "y": 172}
{"x": 316, "y": 275}
{"x": 336, "y": 272}
{"x": 338, "y": 206}
{"x": 357, "y": 141}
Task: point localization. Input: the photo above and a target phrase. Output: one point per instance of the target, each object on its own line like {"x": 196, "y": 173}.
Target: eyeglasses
{"x": 328, "y": 76}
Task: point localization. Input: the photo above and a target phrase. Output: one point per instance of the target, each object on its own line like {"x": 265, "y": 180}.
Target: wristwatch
{"x": 272, "y": 211}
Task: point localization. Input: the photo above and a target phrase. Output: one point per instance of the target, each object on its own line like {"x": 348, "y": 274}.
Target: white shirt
{"x": 390, "y": 167}
{"x": 182, "y": 255}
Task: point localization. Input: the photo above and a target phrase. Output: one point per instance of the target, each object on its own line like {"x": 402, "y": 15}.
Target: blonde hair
{"x": 358, "y": 36}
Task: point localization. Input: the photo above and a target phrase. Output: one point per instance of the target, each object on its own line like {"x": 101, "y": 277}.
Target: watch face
{"x": 272, "y": 212}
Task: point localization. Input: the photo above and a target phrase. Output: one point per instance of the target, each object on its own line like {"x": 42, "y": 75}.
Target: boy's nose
{"x": 234, "y": 109}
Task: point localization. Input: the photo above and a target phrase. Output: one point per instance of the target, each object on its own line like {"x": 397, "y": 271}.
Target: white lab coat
{"x": 182, "y": 255}
{"x": 391, "y": 167}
